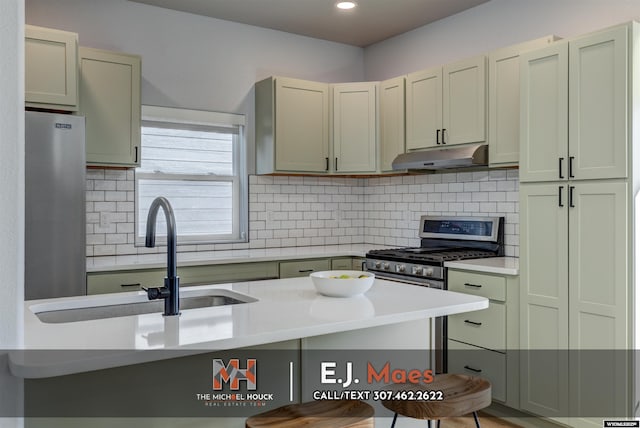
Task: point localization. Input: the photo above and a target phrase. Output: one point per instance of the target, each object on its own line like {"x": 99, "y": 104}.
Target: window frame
{"x": 184, "y": 118}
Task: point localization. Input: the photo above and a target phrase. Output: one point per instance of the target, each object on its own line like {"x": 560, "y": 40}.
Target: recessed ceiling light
{"x": 345, "y": 5}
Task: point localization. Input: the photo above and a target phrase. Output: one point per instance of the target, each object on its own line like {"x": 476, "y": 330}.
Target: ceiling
{"x": 371, "y": 22}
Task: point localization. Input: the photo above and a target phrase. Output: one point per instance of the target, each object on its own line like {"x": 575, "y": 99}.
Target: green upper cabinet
{"x": 446, "y": 105}
{"x": 598, "y": 102}
{"x": 424, "y": 108}
{"x": 574, "y": 111}
{"x": 292, "y": 126}
{"x": 355, "y": 126}
{"x": 110, "y": 101}
{"x": 51, "y": 68}
{"x": 544, "y": 126}
{"x": 392, "y": 121}
{"x": 504, "y": 102}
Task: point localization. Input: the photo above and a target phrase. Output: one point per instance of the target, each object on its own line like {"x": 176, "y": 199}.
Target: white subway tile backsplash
{"x": 299, "y": 211}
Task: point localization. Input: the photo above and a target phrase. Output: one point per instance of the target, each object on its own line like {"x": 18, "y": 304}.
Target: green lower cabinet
{"x": 132, "y": 280}
{"x": 485, "y": 343}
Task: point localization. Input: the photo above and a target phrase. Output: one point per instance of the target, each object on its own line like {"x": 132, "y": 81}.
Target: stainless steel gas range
{"x": 442, "y": 239}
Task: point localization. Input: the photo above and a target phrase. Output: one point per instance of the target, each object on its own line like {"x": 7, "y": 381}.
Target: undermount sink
{"x": 93, "y": 311}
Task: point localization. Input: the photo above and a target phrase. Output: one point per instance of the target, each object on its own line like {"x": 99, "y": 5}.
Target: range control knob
{"x": 385, "y": 266}
{"x": 428, "y": 271}
{"x": 377, "y": 264}
{"x": 400, "y": 268}
{"x": 416, "y": 270}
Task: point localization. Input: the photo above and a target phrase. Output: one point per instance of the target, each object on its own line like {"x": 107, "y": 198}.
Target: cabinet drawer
{"x": 343, "y": 263}
{"x": 117, "y": 282}
{"x": 485, "y": 328}
{"x": 236, "y": 272}
{"x": 474, "y": 361}
{"x": 302, "y": 267}
{"x": 481, "y": 284}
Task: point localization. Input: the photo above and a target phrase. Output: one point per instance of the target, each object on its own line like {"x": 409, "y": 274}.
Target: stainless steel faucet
{"x": 170, "y": 292}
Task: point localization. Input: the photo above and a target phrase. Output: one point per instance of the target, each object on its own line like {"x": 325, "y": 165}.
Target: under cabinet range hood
{"x": 466, "y": 156}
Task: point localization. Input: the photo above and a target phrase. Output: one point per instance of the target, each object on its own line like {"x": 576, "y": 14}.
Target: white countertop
{"x": 499, "y": 265}
{"x": 147, "y": 261}
{"x": 286, "y": 309}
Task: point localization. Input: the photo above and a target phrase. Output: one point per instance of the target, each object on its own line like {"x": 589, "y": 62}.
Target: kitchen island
{"x": 284, "y": 314}
{"x": 285, "y": 309}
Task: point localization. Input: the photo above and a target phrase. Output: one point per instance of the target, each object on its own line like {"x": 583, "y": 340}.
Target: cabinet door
{"x": 504, "y": 102}
{"x": 464, "y": 88}
{"x": 302, "y": 125}
{"x": 598, "y": 105}
{"x": 544, "y": 114}
{"x": 598, "y": 299}
{"x": 51, "y": 68}
{"x": 392, "y": 115}
{"x": 424, "y": 108}
{"x": 354, "y": 127}
{"x": 343, "y": 263}
{"x": 544, "y": 298}
{"x": 110, "y": 101}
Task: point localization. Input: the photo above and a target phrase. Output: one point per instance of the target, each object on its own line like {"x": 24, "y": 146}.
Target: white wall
{"x": 11, "y": 197}
{"x": 198, "y": 62}
{"x": 489, "y": 26}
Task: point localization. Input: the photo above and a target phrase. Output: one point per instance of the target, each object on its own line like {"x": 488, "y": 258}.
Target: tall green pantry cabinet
{"x": 578, "y": 180}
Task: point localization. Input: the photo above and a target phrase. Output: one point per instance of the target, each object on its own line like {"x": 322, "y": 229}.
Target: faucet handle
{"x": 155, "y": 293}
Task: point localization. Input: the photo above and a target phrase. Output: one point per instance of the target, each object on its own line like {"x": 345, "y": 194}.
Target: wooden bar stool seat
{"x": 462, "y": 395}
{"x": 316, "y": 414}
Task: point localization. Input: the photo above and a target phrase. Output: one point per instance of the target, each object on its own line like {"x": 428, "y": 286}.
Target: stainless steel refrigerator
{"x": 55, "y": 245}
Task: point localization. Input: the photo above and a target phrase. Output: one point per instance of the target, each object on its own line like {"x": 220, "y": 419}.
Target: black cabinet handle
{"x": 305, "y": 270}
{"x": 137, "y": 284}
{"x": 571, "y": 196}
{"x": 571, "y": 158}
{"x": 560, "y": 160}
{"x": 473, "y": 370}
{"x": 136, "y": 155}
{"x": 472, "y": 285}
{"x": 336, "y": 165}
{"x": 327, "y": 164}
{"x": 443, "y": 131}
{"x": 437, "y": 136}
{"x": 560, "y": 196}
{"x": 473, "y": 323}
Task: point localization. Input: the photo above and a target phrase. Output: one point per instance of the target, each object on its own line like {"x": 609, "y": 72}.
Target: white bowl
{"x": 329, "y": 283}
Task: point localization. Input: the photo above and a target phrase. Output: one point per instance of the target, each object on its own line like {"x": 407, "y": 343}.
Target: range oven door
{"x": 439, "y": 333}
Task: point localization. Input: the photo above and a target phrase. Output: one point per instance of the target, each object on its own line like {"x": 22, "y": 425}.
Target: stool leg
{"x": 475, "y": 418}
{"x": 438, "y": 425}
{"x": 395, "y": 416}
{"x": 429, "y": 423}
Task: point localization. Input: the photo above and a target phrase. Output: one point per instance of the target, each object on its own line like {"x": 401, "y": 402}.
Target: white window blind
{"x": 196, "y": 160}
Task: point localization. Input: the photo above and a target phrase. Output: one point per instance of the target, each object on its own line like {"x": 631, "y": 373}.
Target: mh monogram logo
{"x": 232, "y": 374}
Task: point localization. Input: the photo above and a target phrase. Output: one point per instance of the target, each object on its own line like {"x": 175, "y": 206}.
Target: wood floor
{"x": 486, "y": 421}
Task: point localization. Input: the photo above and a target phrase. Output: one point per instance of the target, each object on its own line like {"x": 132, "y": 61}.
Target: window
{"x": 196, "y": 159}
